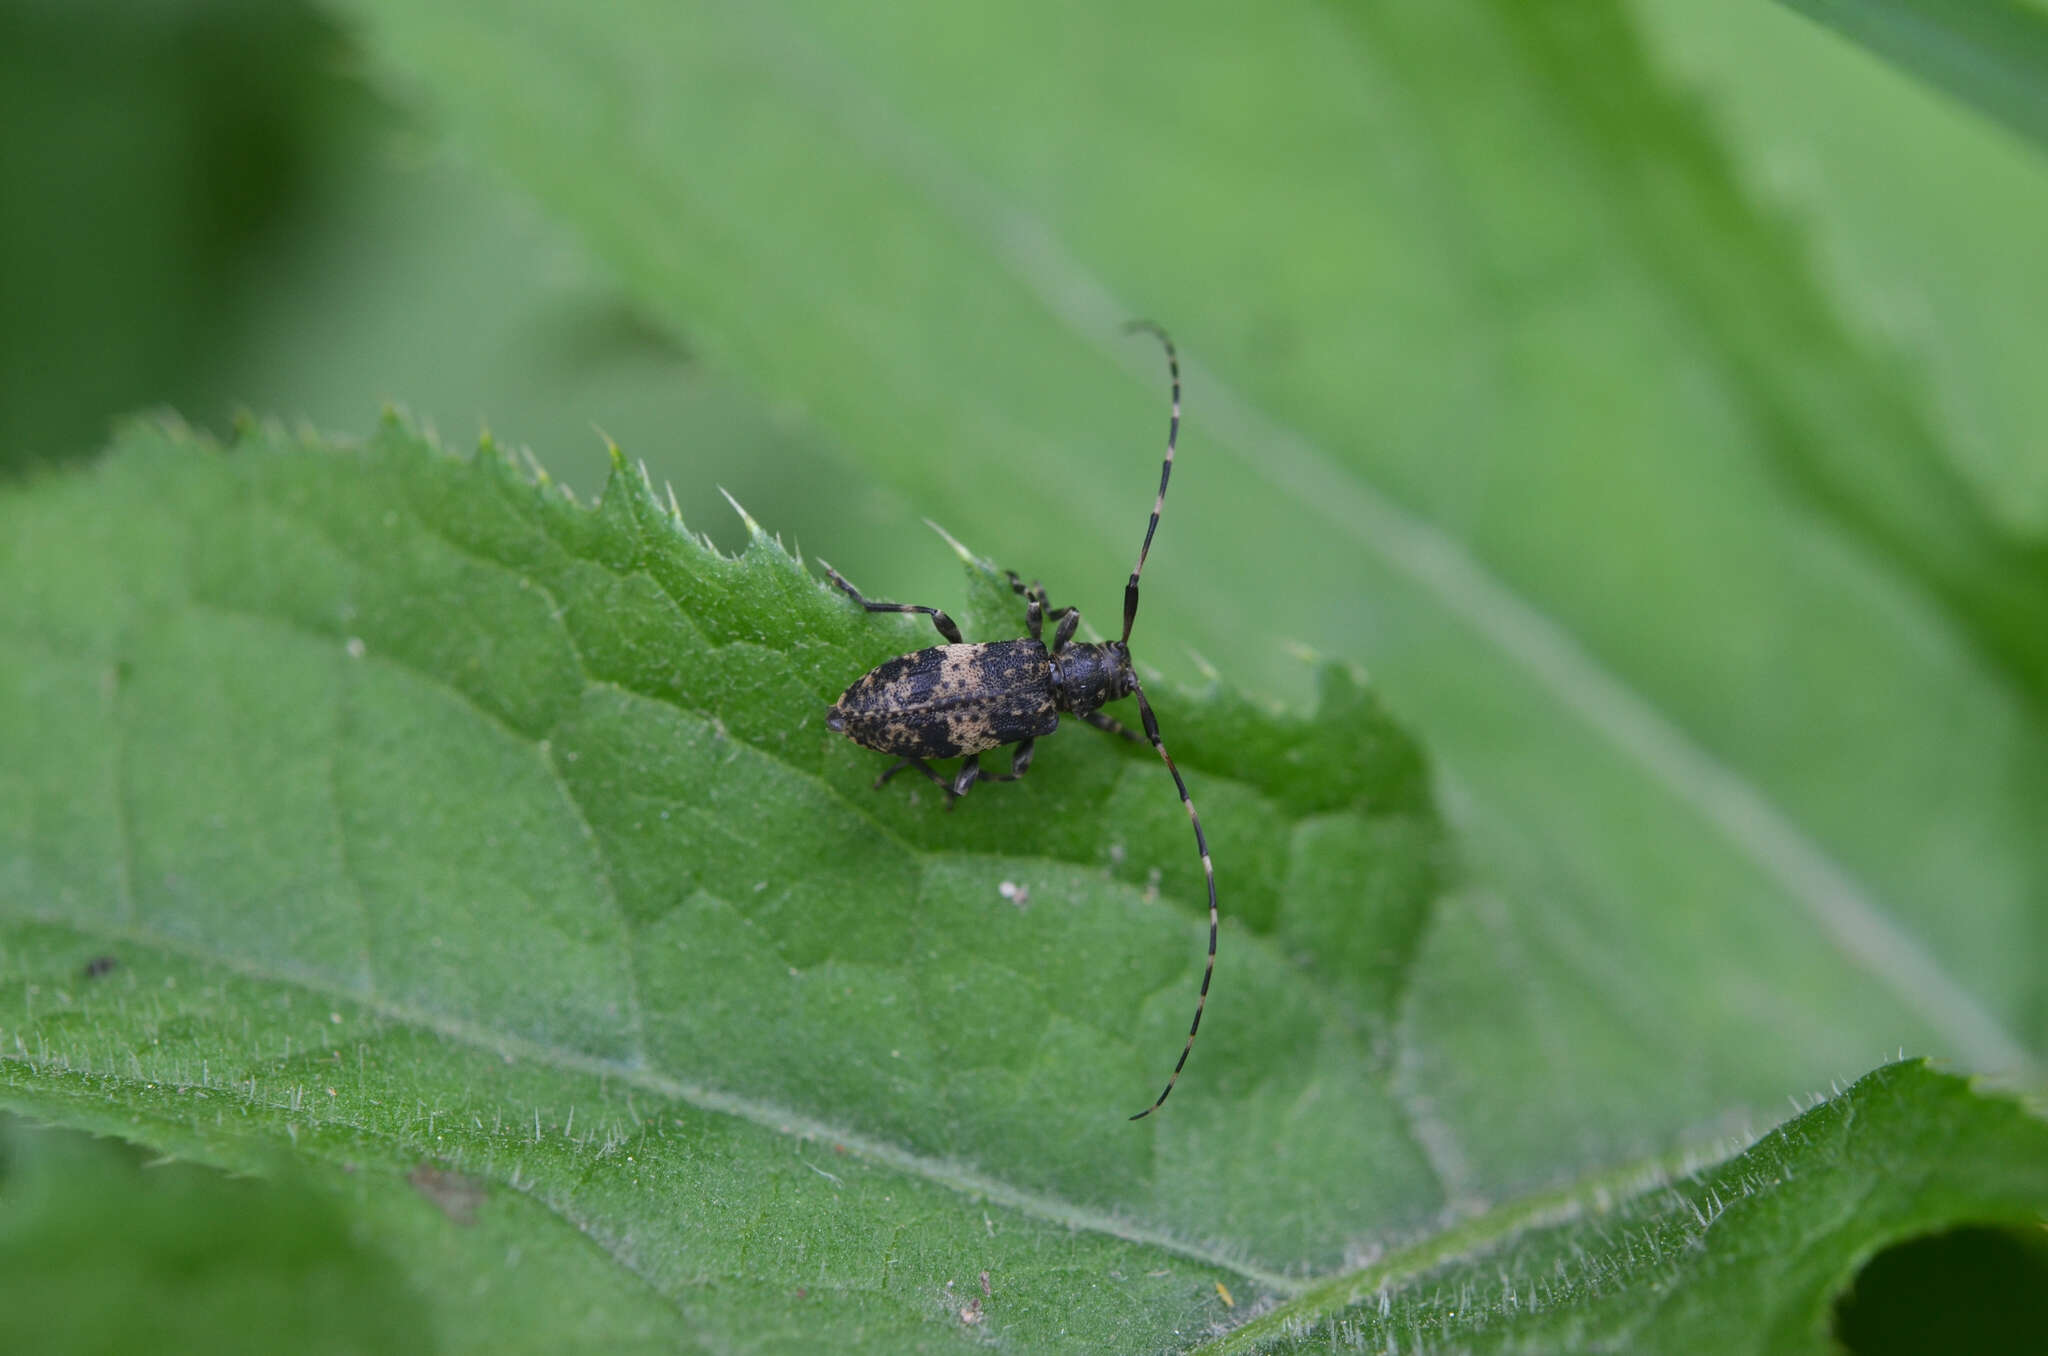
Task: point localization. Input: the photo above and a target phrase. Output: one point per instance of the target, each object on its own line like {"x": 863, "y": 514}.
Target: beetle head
{"x": 1087, "y": 674}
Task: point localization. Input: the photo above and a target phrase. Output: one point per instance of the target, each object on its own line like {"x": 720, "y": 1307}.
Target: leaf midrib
{"x": 1470, "y": 1237}
{"x": 1467, "y": 1237}
{"x": 782, "y": 1121}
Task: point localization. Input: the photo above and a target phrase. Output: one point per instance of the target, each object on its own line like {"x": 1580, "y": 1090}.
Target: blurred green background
{"x": 208, "y": 210}
{"x": 210, "y": 207}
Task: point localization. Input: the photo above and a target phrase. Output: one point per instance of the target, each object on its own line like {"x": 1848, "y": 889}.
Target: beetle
{"x": 961, "y": 700}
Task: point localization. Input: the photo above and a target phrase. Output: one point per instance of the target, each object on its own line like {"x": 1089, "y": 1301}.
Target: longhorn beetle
{"x": 956, "y": 698}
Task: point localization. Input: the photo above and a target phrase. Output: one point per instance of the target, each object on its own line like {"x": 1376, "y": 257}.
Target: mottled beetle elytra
{"x": 959, "y": 700}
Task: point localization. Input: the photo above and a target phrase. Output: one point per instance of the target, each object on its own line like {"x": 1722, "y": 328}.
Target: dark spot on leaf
{"x": 1976, "y": 1288}
{"x": 455, "y": 1195}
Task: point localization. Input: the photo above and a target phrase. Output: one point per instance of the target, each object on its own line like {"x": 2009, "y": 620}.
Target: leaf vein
{"x": 801, "y": 1127}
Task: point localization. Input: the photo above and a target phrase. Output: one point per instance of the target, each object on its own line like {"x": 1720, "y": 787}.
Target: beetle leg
{"x": 1069, "y": 620}
{"x": 970, "y": 772}
{"x": 1020, "y": 762}
{"x": 1037, "y": 606}
{"x": 930, "y": 775}
{"x": 939, "y": 619}
{"x": 1102, "y": 722}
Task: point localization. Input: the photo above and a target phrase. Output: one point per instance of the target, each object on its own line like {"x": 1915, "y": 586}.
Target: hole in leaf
{"x": 1972, "y": 1289}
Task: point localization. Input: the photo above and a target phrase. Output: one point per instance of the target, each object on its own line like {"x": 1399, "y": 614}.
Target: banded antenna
{"x": 1145, "y": 707}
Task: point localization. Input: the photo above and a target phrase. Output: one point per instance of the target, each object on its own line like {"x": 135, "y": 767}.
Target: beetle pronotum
{"x": 959, "y": 699}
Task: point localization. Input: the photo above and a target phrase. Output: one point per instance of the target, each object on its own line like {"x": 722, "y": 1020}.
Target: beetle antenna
{"x": 1201, "y": 845}
{"x": 1165, "y": 474}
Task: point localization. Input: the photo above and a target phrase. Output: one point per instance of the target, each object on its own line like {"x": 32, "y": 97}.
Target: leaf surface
{"x": 1992, "y": 54}
{"x": 1744, "y": 1255}
{"x": 395, "y": 806}
{"x": 1500, "y": 381}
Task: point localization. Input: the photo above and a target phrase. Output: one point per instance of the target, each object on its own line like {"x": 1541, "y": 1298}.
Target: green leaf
{"x": 391, "y": 805}
{"x": 1915, "y": 218}
{"x": 1500, "y": 380}
{"x": 1730, "y": 641}
{"x": 1992, "y": 54}
{"x": 100, "y": 1251}
{"x": 1747, "y": 1254}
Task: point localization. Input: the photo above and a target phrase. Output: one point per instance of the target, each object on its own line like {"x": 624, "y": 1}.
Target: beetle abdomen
{"x": 950, "y": 700}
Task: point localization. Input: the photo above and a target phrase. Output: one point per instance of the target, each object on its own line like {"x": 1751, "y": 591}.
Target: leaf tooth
{"x": 754, "y": 529}
{"x": 534, "y": 468}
